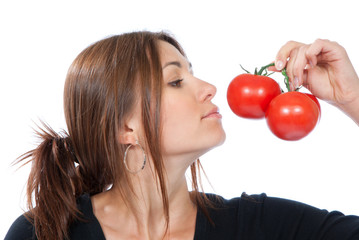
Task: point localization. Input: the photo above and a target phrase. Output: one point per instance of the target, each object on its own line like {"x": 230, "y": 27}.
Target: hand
{"x": 324, "y": 68}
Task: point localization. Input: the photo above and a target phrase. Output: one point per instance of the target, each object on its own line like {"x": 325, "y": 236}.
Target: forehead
{"x": 169, "y": 53}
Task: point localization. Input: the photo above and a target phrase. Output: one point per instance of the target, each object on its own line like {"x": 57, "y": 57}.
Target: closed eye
{"x": 176, "y": 83}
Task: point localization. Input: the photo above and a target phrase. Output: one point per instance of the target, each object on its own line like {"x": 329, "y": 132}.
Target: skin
{"x": 187, "y": 134}
{"x": 324, "y": 68}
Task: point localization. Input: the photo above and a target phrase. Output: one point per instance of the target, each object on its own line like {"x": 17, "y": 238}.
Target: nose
{"x": 207, "y": 91}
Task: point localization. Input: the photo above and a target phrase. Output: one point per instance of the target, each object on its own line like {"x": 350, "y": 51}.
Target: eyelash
{"x": 176, "y": 83}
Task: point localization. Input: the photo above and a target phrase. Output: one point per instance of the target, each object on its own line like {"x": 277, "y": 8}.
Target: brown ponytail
{"x": 53, "y": 185}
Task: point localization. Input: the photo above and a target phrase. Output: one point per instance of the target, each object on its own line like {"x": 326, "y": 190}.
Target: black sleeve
{"x": 21, "y": 229}
{"x": 285, "y": 219}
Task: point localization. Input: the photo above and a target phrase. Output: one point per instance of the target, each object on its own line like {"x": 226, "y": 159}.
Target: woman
{"x": 137, "y": 119}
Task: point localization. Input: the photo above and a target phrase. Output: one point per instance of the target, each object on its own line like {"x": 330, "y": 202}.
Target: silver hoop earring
{"x": 144, "y": 159}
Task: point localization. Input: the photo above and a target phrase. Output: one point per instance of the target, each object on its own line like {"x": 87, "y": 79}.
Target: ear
{"x": 127, "y": 136}
{"x": 129, "y": 133}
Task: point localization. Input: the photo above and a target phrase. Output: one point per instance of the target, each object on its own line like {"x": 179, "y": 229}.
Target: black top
{"x": 255, "y": 217}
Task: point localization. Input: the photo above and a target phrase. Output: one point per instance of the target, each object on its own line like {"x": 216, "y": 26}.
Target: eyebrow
{"x": 177, "y": 64}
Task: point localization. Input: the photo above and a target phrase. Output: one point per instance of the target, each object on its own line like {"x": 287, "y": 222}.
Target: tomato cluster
{"x": 290, "y": 116}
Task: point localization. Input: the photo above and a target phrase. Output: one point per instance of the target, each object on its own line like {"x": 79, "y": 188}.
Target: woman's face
{"x": 191, "y": 123}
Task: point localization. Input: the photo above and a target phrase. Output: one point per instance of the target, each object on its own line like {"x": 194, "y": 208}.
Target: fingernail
{"x": 311, "y": 64}
{"x": 296, "y": 82}
{"x": 291, "y": 86}
{"x": 279, "y": 65}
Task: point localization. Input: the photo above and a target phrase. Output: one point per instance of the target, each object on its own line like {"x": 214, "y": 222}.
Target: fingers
{"x": 296, "y": 66}
{"x": 273, "y": 68}
{"x": 305, "y": 82}
{"x": 284, "y": 53}
{"x": 315, "y": 49}
{"x": 293, "y": 56}
{"x": 320, "y": 49}
{"x": 299, "y": 58}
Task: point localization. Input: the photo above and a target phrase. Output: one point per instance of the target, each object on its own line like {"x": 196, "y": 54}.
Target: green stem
{"x": 286, "y": 79}
{"x": 244, "y": 69}
{"x": 264, "y": 68}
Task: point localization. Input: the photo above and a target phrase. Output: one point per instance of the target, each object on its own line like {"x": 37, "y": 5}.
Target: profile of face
{"x": 191, "y": 123}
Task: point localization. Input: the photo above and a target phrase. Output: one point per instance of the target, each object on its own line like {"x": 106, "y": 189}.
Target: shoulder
{"x": 21, "y": 229}
{"x": 262, "y": 202}
{"x": 245, "y": 199}
{"x": 262, "y": 216}
{"x": 231, "y": 211}
{"x": 253, "y": 206}
{"x": 228, "y": 218}
{"x": 87, "y": 227}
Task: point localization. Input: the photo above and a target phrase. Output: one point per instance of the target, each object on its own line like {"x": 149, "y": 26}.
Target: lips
{"x": 213, "y": 113}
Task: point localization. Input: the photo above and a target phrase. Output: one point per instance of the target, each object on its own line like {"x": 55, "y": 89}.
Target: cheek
{"x": 180, "y": 119}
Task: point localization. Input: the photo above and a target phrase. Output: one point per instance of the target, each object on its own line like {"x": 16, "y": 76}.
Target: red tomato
{"x": 316, "y": 101}
{"x": 292, "y": 115}
{"x": 249, "y": 95}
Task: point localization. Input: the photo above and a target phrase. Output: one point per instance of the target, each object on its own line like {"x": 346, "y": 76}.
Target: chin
{"x": 221, "y": 140}
{"x": 194, "y": 147}
{"x": 216, "y": 141}
{"x": 222, "y": 137}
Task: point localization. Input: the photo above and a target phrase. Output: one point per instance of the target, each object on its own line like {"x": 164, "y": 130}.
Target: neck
{"x": 143, "y": 213}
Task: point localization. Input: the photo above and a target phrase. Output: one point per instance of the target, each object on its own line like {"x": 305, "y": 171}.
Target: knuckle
{"x": 340, "y": 47}
{"x": 291, "y": 43}
{"x": 303, "y": 49}
{"x": 321, "y": 40}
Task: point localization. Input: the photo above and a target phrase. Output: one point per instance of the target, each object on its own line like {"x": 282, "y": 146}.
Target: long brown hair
{"x": 102, "y": 86}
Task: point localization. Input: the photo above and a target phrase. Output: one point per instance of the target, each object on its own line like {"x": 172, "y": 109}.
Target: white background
{"x": 39, "y": 40}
